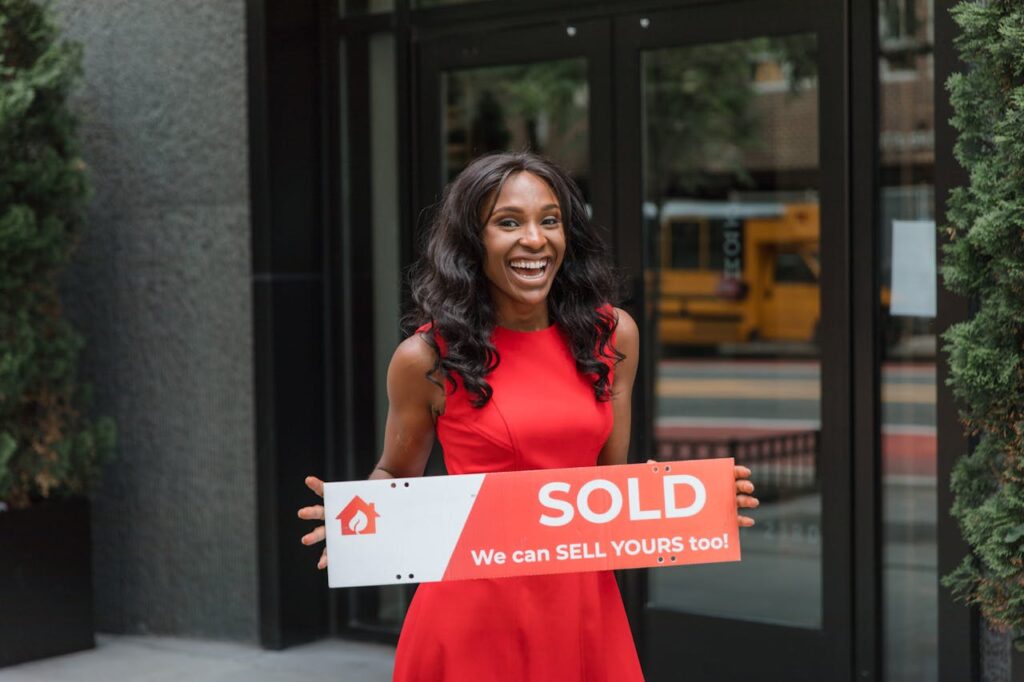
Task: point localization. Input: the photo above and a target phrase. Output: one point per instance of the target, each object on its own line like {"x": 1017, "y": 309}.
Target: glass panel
{"x": 731, "y": 209}
{"x": 908, "y": 284}
{"x": 542, "y": 107}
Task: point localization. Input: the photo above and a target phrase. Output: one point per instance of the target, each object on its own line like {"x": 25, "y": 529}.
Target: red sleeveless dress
{"x": 566, "y": 627}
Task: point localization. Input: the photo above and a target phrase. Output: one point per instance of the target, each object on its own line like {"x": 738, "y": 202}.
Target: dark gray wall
{"x": 161, "y": 287}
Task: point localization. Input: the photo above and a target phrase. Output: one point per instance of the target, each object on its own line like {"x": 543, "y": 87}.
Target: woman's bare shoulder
{"x": 412, "y": 377}
{"x": 626, "y": 330}
{"x": 414, "y": 355}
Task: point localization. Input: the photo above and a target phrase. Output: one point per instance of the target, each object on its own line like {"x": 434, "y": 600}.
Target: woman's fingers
{"x": 747, "y": 501}
{"x": 314, "y": 513}
{"x": 315, "y": 484}
{"x": 744, "y": 499}
{"x": 318, "y": 535}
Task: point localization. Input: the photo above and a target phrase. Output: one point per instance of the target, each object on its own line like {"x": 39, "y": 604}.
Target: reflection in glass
{"x": 908, "y": 283}
{"x": 732, "y": 224}
{"x": 541, "y": 107}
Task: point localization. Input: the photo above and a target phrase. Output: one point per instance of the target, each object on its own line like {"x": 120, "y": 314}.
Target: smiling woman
{"x": 519, "y": 362}
{"x": 504, "y": 208}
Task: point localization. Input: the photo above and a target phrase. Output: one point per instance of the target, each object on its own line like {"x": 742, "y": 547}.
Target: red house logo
{"x": 358, "y": 518}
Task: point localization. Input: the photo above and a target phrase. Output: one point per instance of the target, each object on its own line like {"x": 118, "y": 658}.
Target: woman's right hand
{"x": 413, "y": 405}
{"x": 315, "y": 513}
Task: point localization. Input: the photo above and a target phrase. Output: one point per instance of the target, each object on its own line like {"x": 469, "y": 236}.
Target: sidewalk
{"x": 119, "y": 658}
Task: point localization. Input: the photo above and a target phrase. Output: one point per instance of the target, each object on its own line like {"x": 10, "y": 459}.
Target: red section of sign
{"x": 569, "y": 520}
{"x": 358, "y": 517}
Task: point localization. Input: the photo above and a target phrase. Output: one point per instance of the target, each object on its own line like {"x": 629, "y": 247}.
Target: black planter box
{"x": 45, "y": 581}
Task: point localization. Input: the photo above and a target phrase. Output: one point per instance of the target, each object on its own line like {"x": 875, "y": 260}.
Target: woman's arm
{"x": 627, "y": 341}
{"x": 413, "y": 405}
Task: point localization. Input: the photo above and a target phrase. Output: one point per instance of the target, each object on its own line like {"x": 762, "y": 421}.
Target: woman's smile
{"x": 530, "y": 269}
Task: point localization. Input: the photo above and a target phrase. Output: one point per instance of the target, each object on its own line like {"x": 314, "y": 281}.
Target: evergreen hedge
{"x": 984, "y": 260}
{"x": 48, "y": 446}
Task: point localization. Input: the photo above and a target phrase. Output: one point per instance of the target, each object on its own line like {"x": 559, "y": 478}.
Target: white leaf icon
{"x": 358, "y": 522}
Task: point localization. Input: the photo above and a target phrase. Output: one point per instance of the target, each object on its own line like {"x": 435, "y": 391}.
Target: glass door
{"x": 541, "y": 87}
{"x": 732, "y": 223}
{"x": 724, "y": 182}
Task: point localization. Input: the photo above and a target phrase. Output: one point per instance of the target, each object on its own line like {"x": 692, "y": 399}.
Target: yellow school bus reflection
{"x": 735, "y": 272}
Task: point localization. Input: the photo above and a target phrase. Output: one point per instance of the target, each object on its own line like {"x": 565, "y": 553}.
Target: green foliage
{"x": 47, "y": 444}
{"x": 701, "y": 110}
{"x": 490, "y": 100}
{"x": 700, "y": 107}
{"x": 984, "y": 260}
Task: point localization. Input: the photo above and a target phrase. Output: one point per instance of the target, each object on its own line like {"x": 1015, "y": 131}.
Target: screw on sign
{"x": 358, "y": 517}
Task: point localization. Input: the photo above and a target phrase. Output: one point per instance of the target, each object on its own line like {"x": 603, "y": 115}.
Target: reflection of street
{"x": 779, "y": 579}
{"x": 718, "y": 399}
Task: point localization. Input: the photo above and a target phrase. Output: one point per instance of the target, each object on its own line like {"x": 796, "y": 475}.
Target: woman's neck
{"x": 528, "y": 320}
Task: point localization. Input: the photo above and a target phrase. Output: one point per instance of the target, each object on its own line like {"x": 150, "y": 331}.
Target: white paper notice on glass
{"x": 913, "y": 268}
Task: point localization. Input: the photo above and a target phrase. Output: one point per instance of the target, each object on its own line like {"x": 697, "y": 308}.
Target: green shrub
{"x": 984, "y": 260}
{"x": 48, "y": 446}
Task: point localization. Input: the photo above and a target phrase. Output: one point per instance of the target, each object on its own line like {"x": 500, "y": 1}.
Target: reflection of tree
{"x": 700, "y": 104}
{"x": 488, "y": 132}
{"x": 546, "y": 89}
{"x": 798, "y": 55}
{"x": 700, "y": 118}
{"x": 545, "y": 102}
{"x": 698, "y": 115}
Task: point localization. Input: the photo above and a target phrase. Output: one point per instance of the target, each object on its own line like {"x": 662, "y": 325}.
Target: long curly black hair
{"x": 450, "y": 290}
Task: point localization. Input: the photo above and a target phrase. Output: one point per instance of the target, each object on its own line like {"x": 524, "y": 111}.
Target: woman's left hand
{"x": 744, "y": 490}
{"x": 744, "y": 496}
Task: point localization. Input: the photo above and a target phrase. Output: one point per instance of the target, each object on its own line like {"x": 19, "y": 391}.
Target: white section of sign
{"x": 398, "y": 530}
{"x": 913, "y": 268}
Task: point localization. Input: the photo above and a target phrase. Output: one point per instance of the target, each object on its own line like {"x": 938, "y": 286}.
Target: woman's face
{"x": 524, "y": 243}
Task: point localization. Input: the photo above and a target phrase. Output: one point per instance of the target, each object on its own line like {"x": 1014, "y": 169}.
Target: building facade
{"x": 769, "y": 175}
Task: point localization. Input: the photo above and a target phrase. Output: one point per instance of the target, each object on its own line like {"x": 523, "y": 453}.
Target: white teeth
{"x": 529, "y": 264}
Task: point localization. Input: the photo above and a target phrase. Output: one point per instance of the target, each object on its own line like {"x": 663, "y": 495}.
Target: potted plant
{"x": 50, "y": 451}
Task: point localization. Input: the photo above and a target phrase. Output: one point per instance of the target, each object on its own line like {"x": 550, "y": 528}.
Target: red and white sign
{"x": 436, "y": 528}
